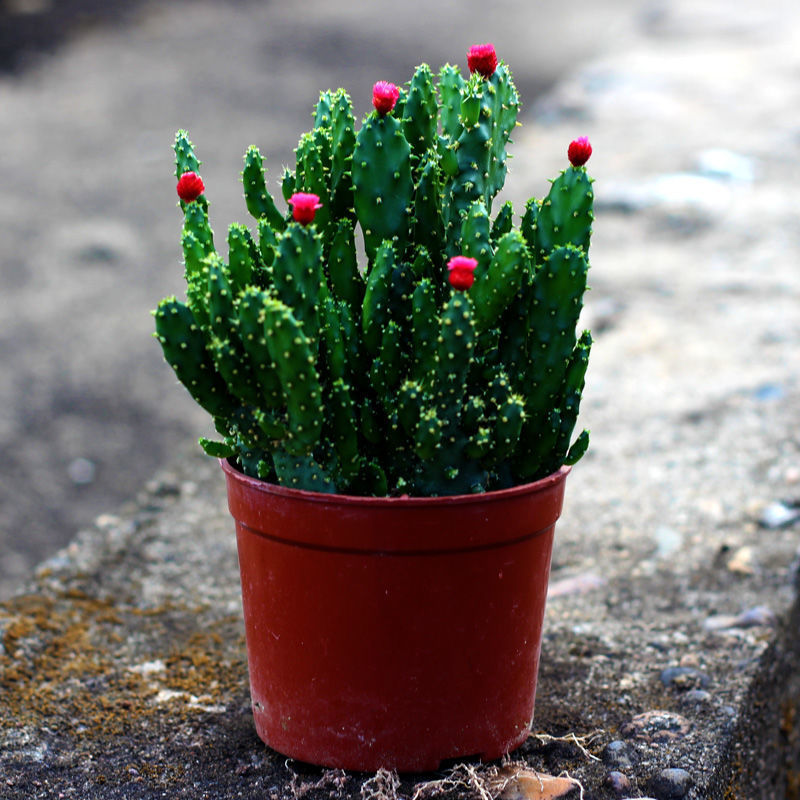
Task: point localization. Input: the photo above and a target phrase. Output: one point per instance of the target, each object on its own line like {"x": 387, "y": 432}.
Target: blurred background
{"x": 91, "y": 94}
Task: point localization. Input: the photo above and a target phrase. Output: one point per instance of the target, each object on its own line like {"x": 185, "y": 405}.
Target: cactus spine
{"x": 386, "y": 377}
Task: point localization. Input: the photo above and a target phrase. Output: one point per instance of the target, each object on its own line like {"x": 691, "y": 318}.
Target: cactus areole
{"x": 385, "y": 327}
{"x": 392, "y": 364}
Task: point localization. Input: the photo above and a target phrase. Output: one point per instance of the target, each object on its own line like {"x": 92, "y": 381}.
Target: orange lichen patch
{"x": 68, "y": 663}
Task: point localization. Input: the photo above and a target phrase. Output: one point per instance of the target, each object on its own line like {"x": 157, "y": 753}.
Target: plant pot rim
{"x": 365, "y": 501}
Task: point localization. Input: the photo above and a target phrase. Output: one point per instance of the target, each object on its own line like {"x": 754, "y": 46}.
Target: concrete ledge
{"x": 669, "y": 661}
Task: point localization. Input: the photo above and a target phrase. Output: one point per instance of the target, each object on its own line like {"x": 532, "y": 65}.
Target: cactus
{"x": 447, "y": 360}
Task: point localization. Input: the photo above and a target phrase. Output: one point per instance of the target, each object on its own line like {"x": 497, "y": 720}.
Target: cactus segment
{"x": 370, "y": 424}
{"x": 428, "y": 437}
{"x": 424, "y": 330}
{"x": 343, "y": 426}
{"x": 476, "y": 237}
{"x": 454, "y": 354}
{"x": 288, "y": 184}
{"x": 558, "y": 289}
{"x": 566, "y": 213}
{"x": 185, "y": 158}
{"x": 334, "y": 343}
{"x": 323, "y": 110}
{"x": 578, "y": 449}
{"x": 196, "y": 276}
{"x": 419, "y": 112}
{"x": 297, "y": 273}
{"x": 233, "y": 367}
{"x": 184, "y": 347}
{"x": 186, "y": 161}
{"x": 451, "y": 84}
{"x": 422, "y": 266}
{"x": 242, "y": 257}
{"x": 528, "y": 226}
{"x": 503, "y": 222}
{"x": 216, "y": 449}
{"x": 302, "y": 472}
{"x": 386, "y": 368}
{"x": 503, "y": 109}
{"x": 253, "y": 334}
{"x": 256, "y": 195}
{"x": 291, "y": 352}
{"x": 409, "y": 406}
{"x": 346, "y": 281}
{"x": 193, "y": 255}
{"x": 195, "y": 221}
{"x": 267, "y": 243}
{"x": 313, "y": 167}
{"x": 343, "y": 139}
{"x": 427, "y": 225}
{"x": 574, "y": 381}
{"x": 494, "y": 289}
{"x": 473, "y": 148}
{"x": 375, "y": 309}
{"x": 510, "y": 417}
{"x": 382, "y": 180}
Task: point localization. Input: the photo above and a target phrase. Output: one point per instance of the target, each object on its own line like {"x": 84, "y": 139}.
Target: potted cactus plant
{"x": 394, "y": 371}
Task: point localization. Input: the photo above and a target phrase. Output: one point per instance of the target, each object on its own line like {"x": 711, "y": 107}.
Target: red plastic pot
{"x": 393, "y": 632}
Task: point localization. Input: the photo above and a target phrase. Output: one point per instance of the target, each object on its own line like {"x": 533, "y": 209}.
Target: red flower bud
{"x": 482, "y": 58}
{"x": 579, "y": 151}
{"x": 384, "y": 97}
{"x": 190, "y": 187}
{"x": 304, "y": 207}
{"x": 461, "y": 272}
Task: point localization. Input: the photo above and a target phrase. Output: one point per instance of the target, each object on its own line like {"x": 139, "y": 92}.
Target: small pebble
{"x": 656, "y": 726}
{"x": 617, "y": 782}
{"x": 755, "y": 617}
{"x": 696, "y": 697}
{"x": 671, "y": 784}
{"x": 779, "y": 515}
{"x": 684, "y": 678}
{"x": 578, "y": 584}
{"x": 668, "y": 541}
{"x": 620, "y": 755}
{"x": 741, "y": 562}
{"x": 751, "y": 618}
{"x": 81, "y": 471}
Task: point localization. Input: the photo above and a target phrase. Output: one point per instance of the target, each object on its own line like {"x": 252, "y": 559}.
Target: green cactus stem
{"x": 382, "y": 181}
{"x": 388, "y": 332}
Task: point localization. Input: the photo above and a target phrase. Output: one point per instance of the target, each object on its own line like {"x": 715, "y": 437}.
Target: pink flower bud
{"x": 384, "y": 97}
{"x": 482, "y": 58}
{"x": 190, "y": 187}
{"x": 461, "y": 272}
{"x": 579, "y": 151}
{"x": 304, "y": 207}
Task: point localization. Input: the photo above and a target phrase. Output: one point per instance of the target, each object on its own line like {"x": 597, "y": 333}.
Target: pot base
{"x": 367, "y": 758}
